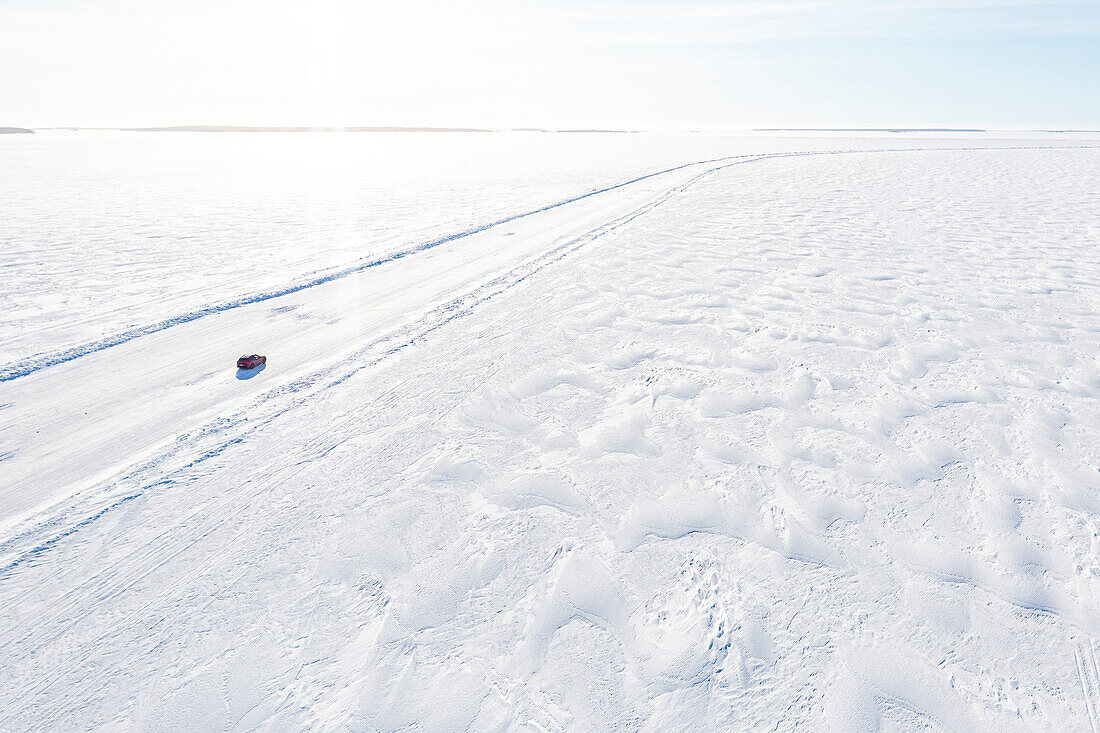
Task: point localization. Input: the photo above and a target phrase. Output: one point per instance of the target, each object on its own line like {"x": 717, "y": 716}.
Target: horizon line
{"x": 434, "y": 128}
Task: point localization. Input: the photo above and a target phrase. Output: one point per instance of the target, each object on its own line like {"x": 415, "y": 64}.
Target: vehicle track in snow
{"x": 145, "y": 392}
{"x": 321, "y": 378}
{"x": 1087, "y": 669}
{"x": 209, "y": 441}
{"x": 43, "y": 531}
{"x": 36, "y": 362}
{"x": 31, "y": 364}
{"x": 44, "y": 535}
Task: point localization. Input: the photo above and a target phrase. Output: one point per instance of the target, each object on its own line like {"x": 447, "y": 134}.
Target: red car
{"x": 251, "y": 362}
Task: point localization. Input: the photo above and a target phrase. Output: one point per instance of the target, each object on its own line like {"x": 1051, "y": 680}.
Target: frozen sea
{"x": 786, "y": 432}
{"x": 108, "y": 231}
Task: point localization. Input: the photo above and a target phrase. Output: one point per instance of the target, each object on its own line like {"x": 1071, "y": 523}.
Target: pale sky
{"x": 553, "y": 63}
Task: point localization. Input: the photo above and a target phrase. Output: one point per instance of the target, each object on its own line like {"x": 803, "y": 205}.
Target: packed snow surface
{"x": 777, "y": 438}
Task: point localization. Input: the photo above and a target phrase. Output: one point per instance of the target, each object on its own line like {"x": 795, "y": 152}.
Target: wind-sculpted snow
{"x": 811, "y": 442}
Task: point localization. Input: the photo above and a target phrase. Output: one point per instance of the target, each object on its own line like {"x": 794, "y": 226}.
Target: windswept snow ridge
{"x": 809, "y": 443}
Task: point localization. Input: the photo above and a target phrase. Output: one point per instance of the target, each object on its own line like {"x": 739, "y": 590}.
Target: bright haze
{"x": 598, "y": 63}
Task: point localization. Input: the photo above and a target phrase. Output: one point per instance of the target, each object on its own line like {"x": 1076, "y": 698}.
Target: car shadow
{"x": 249, "y": 373}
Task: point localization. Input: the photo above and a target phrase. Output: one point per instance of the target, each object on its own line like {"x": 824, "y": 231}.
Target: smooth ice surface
{"x": 806, "y": 440}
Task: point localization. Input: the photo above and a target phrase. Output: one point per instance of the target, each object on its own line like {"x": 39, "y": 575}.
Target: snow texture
{"x": 768, "y": 442}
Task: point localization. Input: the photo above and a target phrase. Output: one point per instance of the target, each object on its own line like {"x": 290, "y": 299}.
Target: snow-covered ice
{"x": 108, "y": 231}
{"x": 802, "y": 440}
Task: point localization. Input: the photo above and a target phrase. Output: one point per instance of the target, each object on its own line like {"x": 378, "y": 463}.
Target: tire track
{"x": 324, "y": 376}
{"x": 374, "y": 351}
{"x": 36, "y": 362}
{"x": 1088, "y": 672}
{"x": 31, "y": 364}
{"x": 65, "y": 613}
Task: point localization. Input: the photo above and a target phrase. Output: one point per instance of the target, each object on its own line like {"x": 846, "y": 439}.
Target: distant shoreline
{"x": 400, "y": 128}
{"x": 15, "y": 131}
{"x": 247, "y": 128}
{"x": 867, "y": 129}
{"x": 379, "y": 128}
